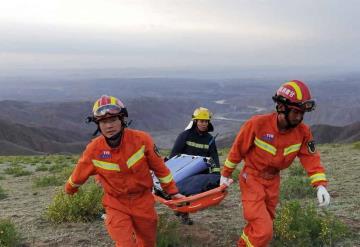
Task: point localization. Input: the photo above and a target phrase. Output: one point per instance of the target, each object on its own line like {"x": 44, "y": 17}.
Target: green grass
{"x": 341, "y": 162}
{"x": 46, "y": 181}
{"x": 167, "y": 232}
{"x": 57, "y": 167}
{"x": 235, "y": 174}
{"x": 42, "y": 167}
{"x": 39, "y": 159}
{"x": 2, "y": 193}
{"x": 296, "y": 170}
{"x": 65, "y": 173}
{"x": 9, "y": 237}
{"x": 170, "y": 233}
{"x": 223, "y": 152}
{"x": 17, "y": 171}
{"x": 356, "y": 145}
{"x": 164, "y": 152}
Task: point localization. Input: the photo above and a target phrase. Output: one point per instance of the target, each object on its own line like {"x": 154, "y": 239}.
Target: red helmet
{"x": 108, "y": 105}
{"x": 296, "y": 94}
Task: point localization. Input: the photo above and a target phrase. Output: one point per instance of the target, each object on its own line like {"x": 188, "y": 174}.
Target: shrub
{"x": 235, "y": 174}
{"x": 42, "y": 168}
{"x": 17, "y": 171}
{"x": 223, "y": 151}
{"x": 304, "y": 226}
{"x": 356, "y": 145}
{"x": 84, "y": 206}
{"x": 48, "y": 181}
{"x": 164, "y": 152}
{"x": 57, "y": 167}
{"x": 297, "y": 170}
{"x": 167, "y": 232}
{"x": 2, "y": 193}
{"x": 8, "y": 234}
{"x": 66, "y": 172}
{"x": 296, "y": 188}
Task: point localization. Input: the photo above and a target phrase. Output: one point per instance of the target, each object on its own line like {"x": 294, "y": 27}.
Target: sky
{"x": 96, "y": 34}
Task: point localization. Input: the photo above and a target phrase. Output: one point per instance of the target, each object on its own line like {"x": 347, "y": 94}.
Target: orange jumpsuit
{"x": 266, "y": 151}
{"x": 124, "y": 173}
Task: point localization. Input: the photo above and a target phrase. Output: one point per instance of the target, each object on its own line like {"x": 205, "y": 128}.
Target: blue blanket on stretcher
{"x": 198, "y": 183}
{"x": 191, "y": 174}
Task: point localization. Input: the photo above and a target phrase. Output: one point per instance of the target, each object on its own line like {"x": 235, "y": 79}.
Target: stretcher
{"x": 181, "y": 167}
{"x": 192, "y": 204}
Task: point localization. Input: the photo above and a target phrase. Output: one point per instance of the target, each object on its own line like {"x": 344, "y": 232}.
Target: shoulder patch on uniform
{"x": 156, "y": 151}
{"x": 311, "y": 147}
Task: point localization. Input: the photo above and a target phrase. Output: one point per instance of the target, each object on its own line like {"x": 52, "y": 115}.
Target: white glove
{"x": 225, "y": 181}
{"x": 323, "y": 196}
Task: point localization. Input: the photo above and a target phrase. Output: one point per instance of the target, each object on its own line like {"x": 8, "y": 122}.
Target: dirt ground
{"x": 218, "y": 226}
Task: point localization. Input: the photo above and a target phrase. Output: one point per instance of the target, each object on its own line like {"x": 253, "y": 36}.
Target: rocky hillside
{"x": 333, "y": 134}
{"x": 16, "y": 139}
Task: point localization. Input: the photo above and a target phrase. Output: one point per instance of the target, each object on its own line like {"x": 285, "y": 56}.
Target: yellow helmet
{"x": 202, "y": 113}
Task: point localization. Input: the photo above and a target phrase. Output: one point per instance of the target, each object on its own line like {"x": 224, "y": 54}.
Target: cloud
{"x": 179, "y": 32}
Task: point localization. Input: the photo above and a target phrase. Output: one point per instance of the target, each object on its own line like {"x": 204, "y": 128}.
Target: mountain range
{"x": 50, "y": 118}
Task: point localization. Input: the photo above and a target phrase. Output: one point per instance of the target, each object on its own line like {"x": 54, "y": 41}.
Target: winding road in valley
{"x": 250, "y": 110}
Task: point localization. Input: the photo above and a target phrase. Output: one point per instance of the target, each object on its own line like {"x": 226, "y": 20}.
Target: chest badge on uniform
{"x": 268, "y": 137}
{"x": 311, "y": 147}
{"x": 106, "y": 154}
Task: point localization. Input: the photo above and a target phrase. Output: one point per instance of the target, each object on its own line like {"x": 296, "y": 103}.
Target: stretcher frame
{"x": 194, "y": 203}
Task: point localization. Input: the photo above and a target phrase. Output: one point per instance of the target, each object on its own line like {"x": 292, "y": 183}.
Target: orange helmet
{"x": 296, "y": 94}
{"x": 108, "y": 105}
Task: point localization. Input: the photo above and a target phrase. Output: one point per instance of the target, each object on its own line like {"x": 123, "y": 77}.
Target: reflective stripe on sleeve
{"x": 167, "y": 179}
{"x": 317, "y": 177}
{"x": 74, "y": 185}
{"x": 229, "y": 164}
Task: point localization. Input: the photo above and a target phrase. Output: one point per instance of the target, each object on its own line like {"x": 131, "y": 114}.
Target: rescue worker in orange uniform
{"x": 122, "y": 158}
{"x": 267, "y": 144}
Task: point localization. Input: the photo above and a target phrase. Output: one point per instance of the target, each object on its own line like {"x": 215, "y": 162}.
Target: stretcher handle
{"x": 194, "y": 197}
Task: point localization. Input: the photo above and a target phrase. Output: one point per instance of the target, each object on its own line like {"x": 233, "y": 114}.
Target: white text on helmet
{"x": 286, "y": 91}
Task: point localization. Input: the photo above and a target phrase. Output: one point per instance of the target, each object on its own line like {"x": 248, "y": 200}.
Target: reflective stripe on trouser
{"x": 134, "y": 221}
{"x": 259, "y": 199}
